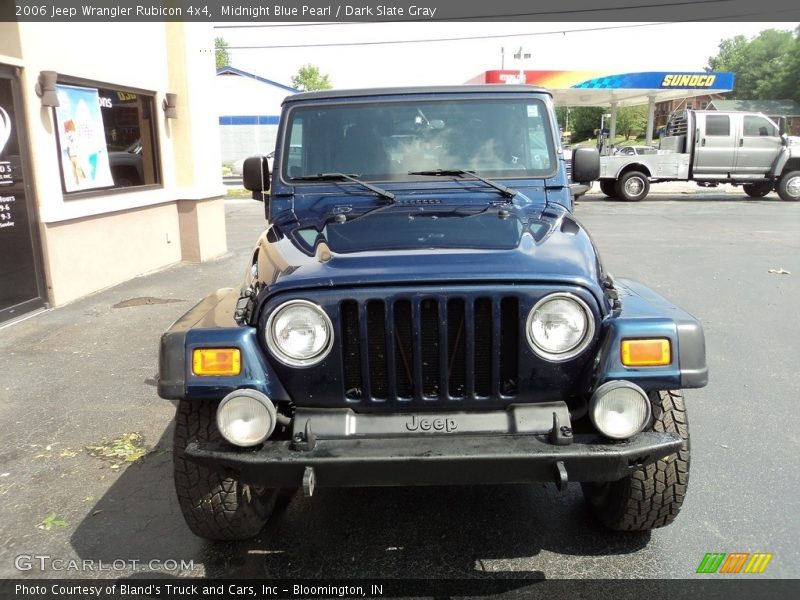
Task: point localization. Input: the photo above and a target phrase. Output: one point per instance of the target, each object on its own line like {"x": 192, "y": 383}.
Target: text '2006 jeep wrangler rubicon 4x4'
{"x": 424, "y": 309}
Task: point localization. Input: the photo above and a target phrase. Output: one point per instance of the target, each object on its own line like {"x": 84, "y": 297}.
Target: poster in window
{"x": 5, "y": 134}
{"x": 82, "y": 139}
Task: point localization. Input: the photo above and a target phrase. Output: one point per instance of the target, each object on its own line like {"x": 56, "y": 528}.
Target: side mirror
{"x": 585, "y": 164}
{"x": 255, "y": 176}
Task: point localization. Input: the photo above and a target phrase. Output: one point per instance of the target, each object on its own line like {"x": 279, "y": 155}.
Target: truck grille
{"x": 430, "y": 348}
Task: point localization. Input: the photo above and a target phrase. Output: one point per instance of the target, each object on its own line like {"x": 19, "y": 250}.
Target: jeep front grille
{"x": 430, "y": 348}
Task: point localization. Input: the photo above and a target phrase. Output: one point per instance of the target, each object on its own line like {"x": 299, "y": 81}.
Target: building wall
{"x": 241, "y": 141}
{"x": 248, "y": 112}
{"x": 664, "y": 109}
{"x": 95, "y": 240}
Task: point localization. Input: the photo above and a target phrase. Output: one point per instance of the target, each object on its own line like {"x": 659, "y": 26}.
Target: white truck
{"x": 711, "y": 147}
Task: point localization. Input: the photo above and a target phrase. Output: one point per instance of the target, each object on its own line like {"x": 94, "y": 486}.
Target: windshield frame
{"x": 402, "y": 177}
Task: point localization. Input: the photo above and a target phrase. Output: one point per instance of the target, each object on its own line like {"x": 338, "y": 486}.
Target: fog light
{"x": 246, "y": 417}
{"x": 619, "y": 409}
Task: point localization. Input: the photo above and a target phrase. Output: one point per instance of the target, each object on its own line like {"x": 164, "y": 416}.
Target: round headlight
{"x": 619, "y": 409}
{"x": 560, "y": 326}
{"x": 246, "y": 417}
{"x": 299, "y": 333}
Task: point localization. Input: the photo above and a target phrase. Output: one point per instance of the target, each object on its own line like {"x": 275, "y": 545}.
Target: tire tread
{"x": 652, "y": 496}
{"x": 214, "y": 506}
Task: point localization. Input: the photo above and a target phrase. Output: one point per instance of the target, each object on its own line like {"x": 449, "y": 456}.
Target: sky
{"x": 613, "y": 47}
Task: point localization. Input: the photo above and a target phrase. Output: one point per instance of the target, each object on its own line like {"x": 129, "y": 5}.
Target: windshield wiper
{"x": 505, "y": 190}
{"x": 354, "y": 178}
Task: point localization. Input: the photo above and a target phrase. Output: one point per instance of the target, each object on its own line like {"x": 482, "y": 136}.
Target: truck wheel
{"x": 632, "y": 186}
{"x": 652, "y": 496}
{"x": 607, "y": 187}
{"x": 214, "y": 506}
{"x": 757, "y": 190}
{"x": 789, "y": 186}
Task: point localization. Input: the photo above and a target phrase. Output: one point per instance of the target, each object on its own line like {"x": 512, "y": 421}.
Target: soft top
{"x": 412, "y": 91}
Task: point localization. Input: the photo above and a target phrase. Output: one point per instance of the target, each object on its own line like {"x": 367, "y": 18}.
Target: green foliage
{"x": 129, "y": 447}
{"x": 631, "y": 120}
{"x": 52, "y": 520}
{"x": 767, "y": 67}
{"x": 221, "y": 55}
{"x": 583, "y": 120}
{"x": 309, "y": 78}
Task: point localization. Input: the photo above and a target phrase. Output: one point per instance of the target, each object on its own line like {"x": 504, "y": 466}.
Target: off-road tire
{"x": 757, "y": 190}
{"x": 215, "y": 507}
{"x": 652, "y": 496}
{"x": 607, "y": 187}
{"x": 632, "y": 186}
{"x": 789, "y": 186}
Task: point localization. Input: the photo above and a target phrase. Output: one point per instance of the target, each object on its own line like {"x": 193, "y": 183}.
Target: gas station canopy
{"x": 599, "y": 88}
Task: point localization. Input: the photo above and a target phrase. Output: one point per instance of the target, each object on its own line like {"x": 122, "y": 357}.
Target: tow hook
{"x": 561, "y": 476}
{"x": 309, "y": 481}
{"x": 306, "y": 440}
{"x": 560, "y": 435}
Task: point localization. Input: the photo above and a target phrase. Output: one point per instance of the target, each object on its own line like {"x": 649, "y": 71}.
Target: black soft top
{"x": 492, "y": 88}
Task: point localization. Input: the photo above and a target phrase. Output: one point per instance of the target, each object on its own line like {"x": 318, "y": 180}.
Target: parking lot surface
{"x": 77, "y": 378}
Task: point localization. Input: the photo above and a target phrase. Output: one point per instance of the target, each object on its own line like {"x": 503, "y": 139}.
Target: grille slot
{"x": 351, "y": 352}
{"x": 430, "y": 348}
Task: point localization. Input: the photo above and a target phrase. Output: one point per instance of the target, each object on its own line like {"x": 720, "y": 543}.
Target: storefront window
{"x": 106, "y": 138}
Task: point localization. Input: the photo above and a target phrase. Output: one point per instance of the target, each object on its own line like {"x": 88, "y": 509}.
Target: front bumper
{"x": 436, "y": 460}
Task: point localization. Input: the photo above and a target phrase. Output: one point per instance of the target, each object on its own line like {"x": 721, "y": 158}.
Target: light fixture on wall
{"x": 46, "y": 88}
{"x": 170, "y": 104}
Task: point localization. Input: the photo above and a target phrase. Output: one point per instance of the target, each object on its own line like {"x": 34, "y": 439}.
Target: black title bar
{"x": 706, "y": 587}
{"x": 230, "y": 11}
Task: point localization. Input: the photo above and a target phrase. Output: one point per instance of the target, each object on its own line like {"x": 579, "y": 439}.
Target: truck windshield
{"x": 385, "y": 141}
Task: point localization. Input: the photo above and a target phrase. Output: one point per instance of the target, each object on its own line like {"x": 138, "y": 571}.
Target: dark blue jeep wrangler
{"x": 424, "y": 309}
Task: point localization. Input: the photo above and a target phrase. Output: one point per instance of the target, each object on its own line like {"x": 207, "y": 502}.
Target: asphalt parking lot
{"x": 83, "y": 375}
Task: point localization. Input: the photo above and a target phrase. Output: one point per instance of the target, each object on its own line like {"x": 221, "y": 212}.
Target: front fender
{"x": 646, "y": 314}
{"x": 210, "y": 324}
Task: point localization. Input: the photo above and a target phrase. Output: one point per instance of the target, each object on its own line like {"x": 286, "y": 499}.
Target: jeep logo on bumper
{"x": 436, "y": 424}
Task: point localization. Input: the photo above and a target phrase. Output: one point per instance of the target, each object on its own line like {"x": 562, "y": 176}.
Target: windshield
{"x": 384, "y": 141}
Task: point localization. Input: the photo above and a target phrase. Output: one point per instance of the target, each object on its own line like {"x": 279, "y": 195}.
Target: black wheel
{"x": 607, "y": 187}
{"x": 789, "y": 186}
{"x": 757, "y": 190}
{"x": 652, "y": 496}
{"x": 215, "y": 507}
{"x": 632, "y": 186}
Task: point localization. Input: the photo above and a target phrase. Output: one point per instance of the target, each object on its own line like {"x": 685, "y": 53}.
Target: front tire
{"x": 632, "y": 186}
{"x": 652, "y": 496}
{"x": 607, "y": 187}
{"x": 789, "y": 186}
{"x": 214, "y": 506}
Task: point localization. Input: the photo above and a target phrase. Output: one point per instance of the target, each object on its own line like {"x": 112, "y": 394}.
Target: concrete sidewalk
{"x": 82, "y": 374}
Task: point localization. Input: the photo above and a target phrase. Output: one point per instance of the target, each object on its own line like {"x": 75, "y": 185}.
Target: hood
{"x": 542, "y": 244}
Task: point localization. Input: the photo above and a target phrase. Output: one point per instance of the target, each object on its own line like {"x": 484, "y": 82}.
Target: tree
{"x": 309, "y": 78}
{"x": 583, "y": 120}
{"x": 767, "y": 67}
{"x": 631, "y": 120}
{"x": 223, "y": 59}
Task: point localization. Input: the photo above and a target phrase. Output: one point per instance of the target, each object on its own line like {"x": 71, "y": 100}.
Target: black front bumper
{"x": 437, "y": 460}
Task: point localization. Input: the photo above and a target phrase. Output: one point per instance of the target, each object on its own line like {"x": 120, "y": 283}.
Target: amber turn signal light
{"x": 645, "y": 353}
{"x": 216, "y": 361}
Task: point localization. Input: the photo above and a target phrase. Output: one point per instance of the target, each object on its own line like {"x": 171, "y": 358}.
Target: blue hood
{"x": 557, "y": 250}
